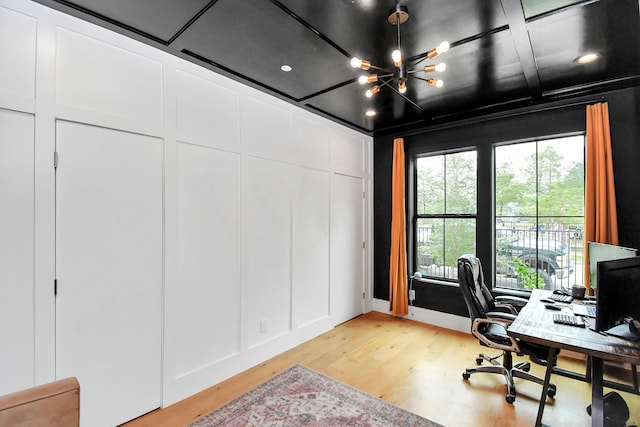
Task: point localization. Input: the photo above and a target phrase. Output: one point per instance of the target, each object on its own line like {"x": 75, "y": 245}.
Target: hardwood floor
{"x": 416, "y": 366}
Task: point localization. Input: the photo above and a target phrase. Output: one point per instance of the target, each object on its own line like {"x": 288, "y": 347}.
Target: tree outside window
{"x": 539, "y": 213}
{"x": 445, "y": 223}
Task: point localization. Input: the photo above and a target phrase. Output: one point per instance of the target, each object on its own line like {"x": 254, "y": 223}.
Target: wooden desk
{"x": 535, "y": 324}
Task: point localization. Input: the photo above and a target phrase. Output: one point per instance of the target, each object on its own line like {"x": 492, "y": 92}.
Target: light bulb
{"x": 435, "y": 82}
{"x": 438, "y": 67}
{"x": 396, "y": 56}
{"x": 402, "y": 87}
{"x": 369, "y": 93}
{"x": 360, "y": 63}
{"x": 364, "y": 79}
{"x": 442, "y": 47}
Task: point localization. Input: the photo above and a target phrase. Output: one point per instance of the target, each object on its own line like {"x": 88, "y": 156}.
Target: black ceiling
{"x": 504, "y": 53}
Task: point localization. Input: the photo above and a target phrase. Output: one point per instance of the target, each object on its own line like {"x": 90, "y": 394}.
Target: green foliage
{"x": 446, "y": 184}
{"x": 545, "y": 185}
{"x": 528, "y": 276}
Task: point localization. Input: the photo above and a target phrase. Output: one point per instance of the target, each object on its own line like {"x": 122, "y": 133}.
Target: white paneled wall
{"x": 16, "y": 251}
{"x": 18, "y": 47}
{"x": 266, "y": 244}
{"x": 207, "y": 113}
{"x": 263, "y": 212}
{"x": 96, "y": 76}
{"x": 270, "y": 136}
{"x": 310, "y": 245}
{"x": 208, "y": 257}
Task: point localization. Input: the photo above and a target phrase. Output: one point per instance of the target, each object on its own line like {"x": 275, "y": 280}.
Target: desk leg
{"x": 597, "y": 404}
{"x": 551, "y": 362}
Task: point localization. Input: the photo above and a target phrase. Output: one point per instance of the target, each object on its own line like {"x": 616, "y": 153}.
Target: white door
{"x": 347, "y": 252}
{"x": 109, "y": 270}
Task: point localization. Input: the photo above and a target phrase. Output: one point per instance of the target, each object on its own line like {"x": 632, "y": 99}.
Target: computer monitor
{"x": 618, "y": 295}
{"x": 604, "y": 252}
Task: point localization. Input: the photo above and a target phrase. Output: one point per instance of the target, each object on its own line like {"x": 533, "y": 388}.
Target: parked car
{"x": 547, "y": 257}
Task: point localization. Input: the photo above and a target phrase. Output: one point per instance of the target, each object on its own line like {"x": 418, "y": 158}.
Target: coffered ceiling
{"x": 504, "y": 54}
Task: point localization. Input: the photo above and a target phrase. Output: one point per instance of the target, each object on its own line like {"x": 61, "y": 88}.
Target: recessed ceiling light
{"x": 585, "y": 59}
{"x": 370, "y": 113}
{"x": 286, "y": 68}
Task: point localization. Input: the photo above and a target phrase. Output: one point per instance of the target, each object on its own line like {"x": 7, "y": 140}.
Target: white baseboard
{"x": 431, "y": 317}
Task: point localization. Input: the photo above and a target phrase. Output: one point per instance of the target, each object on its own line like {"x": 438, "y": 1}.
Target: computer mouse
{"x": 553, "y": 307}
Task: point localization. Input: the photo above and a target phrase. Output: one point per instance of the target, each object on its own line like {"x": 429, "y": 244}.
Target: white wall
{"x": 247, "y": 199}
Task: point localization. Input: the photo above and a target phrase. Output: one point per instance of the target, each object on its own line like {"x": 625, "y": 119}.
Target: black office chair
{"x": 490, "y": 318}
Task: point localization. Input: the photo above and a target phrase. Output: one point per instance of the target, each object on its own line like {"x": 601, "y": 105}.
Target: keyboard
{"x": 568, "y": 319}
{"x": 584, "y": 310}
{"x": 561, "y": 298}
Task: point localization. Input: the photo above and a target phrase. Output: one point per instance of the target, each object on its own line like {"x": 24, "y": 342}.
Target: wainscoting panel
{"x": 207, "y": 113}
{"x": 16, "y": 251}
{"x": 311, "y": 142}
{"x": 96, "y": 76}
{"x": 347, "y": 154}
{"x": 266, "y": 248}
{"x": 347, "y": 248}
{"x": 18, "y": 47}
{"x": 266, "y": 129}
{"x": 310, "y": 246}
{"x": 208, "y": 295}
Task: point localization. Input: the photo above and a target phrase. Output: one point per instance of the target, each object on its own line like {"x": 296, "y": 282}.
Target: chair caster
{"x": 551, "y": 392}
{"x": 479, "y": 361}
{"x": 466, "y": 375}
{"x": 511, "y": 398}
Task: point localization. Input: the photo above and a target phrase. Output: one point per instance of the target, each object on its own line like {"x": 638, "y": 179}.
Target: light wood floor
{"x": 416, "y": 366}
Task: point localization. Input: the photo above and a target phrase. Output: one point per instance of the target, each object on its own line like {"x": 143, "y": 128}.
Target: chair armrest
{"x": 505, "y": 308}
{"x": 513, "y": 301}
{"x": 504, "y": 318}
{"x": 475, "y": 330}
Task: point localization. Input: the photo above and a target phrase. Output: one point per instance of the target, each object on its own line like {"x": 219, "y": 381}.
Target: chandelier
{"x": 397, "y": 78}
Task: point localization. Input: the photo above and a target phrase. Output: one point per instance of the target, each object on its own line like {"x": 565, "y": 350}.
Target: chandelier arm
{"x": 406, "y": 99}
{"x": 398, "y": 23}
{"x": 417, "y": 60}
{"x": 419, "y": 78}
{"x": 381, "y": 69}
{"x": 386, "y": 83}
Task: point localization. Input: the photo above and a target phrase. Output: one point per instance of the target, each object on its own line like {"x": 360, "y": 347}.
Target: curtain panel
{"x": 600, "y": 216}
{"x": 398, "y": 289}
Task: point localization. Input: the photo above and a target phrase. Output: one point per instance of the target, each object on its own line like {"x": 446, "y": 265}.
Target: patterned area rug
{"x": 302, "y": 397}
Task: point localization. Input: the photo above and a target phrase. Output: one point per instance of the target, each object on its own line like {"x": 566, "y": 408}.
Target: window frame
{"x": 416, "y": 216}
{"x": 537, "y": 216}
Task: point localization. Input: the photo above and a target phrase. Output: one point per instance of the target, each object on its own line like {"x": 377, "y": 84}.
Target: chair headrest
{"x": 475, "y": 265}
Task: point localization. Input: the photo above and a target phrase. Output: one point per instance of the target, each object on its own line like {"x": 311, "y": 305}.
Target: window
{"x": 445, "y": 212}
{"x": 539, "y": 213}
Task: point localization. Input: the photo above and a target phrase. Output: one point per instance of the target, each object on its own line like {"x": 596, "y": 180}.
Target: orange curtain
{"x": 600, "y": 216}
{"x": 398, "y": 290}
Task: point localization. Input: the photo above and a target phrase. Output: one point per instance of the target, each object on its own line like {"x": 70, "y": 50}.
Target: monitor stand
{"x": 623, "y": 331}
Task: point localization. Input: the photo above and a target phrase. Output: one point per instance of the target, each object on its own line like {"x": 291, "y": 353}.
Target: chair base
{"x": 509, "y": 371}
